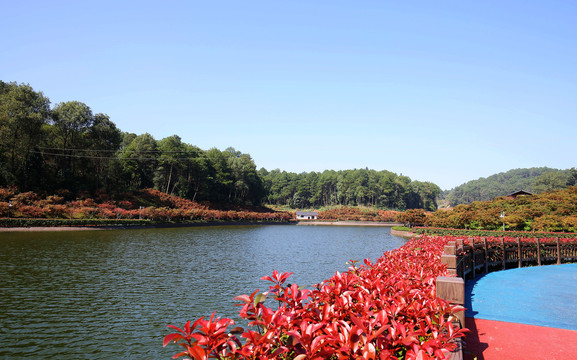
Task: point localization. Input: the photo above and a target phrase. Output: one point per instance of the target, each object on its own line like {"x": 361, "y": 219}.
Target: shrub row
{"x": 402, "y": 228}
{"x": 493, "y": 233}
{"x": 382, "y": 310}
{"x": 345, "y": 213}
{"x": 160, "y": 207}
{"x": 20, "y": 222}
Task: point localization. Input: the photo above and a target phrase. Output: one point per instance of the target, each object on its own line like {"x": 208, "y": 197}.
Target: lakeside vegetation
{"x": 549, "y": 212}
{"x": 143, "y": 207}
{"x": 431, "y": 231}
{"x": 552, "y": 211}
{"x": 533, "y": 180}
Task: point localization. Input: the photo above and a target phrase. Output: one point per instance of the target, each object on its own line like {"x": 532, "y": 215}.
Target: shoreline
{"x": 208, "y": 223}
{"x": 136, "y": 227}
{"x": 346, "y": 223}
{"x": 404, "y": 234}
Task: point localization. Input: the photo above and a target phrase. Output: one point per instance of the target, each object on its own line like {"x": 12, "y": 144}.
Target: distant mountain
{"x": 534, "y": 180}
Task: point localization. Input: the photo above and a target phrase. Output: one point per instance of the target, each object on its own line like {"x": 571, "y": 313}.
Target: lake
{"x": 110, "y": 294}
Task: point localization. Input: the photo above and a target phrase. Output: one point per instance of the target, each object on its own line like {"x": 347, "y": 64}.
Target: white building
{"x": 307, "y": 215}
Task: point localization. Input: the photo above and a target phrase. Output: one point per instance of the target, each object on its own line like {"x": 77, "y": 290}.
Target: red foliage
{"x": 25, "y": 198}
{"x": 385, "y": 310}
{"x": 4, "y": 209}
{"x": 7, "y": 193}
{"x": 413, "y": 217}
{"x": 166, "y": 208}
{"x": 358, "y": 214}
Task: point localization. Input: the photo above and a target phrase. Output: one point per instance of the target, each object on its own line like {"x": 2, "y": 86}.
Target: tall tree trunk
{"x": 169, "y": 179}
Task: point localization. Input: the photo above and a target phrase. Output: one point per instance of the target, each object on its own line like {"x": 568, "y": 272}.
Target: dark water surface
{"x": 110, "y": 294}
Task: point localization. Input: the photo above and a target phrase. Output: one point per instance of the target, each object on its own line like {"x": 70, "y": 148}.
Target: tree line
{"x": 46, "y": 148}
{"x": 358, "y": 187}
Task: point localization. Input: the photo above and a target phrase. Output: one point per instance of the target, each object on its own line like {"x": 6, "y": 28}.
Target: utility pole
{"x": 503, "y": 217}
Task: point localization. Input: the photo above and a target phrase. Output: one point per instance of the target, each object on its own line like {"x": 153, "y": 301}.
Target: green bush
{"x": 401, "y": 228}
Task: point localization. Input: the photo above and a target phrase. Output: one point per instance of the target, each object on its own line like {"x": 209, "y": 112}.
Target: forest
{"x": 358, "y": 187}
{"x": 47, "y": 149}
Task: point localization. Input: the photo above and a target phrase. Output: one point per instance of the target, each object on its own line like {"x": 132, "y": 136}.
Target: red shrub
{"x": 7, "y": 193}
{"x": 25, "y": 198}
{"x": 386, "y": 310}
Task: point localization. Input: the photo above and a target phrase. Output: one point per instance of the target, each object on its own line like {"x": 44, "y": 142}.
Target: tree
{"x": 104, "y": 140}
{"x": 219, "y": 175}
{"x": 68, "y": 140}
{"x": 139, "y": 161}
{"x": 171, "y": 165}
{"x": 572, "y": 177}
{"x": 23, "y": 112}
{"x": 247, "y": 187}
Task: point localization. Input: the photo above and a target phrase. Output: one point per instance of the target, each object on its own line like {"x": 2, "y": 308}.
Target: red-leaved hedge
{"x": 381, "y": 310}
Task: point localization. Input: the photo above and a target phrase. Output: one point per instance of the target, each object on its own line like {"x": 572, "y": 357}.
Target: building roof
{"x": 520, "y": 192}
{"x": 307, "y": 213}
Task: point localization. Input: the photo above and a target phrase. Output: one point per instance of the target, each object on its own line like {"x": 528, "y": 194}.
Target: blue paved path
{"x": 543, "y": 296}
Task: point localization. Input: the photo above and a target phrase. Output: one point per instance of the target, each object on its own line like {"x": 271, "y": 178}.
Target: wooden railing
{"x": 479, "y": 256}
{"x": 466, "y": 261}
{"x": 482, "y": 256}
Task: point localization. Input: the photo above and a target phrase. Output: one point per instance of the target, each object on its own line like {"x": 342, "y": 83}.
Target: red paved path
{"x": 497, "y": 340}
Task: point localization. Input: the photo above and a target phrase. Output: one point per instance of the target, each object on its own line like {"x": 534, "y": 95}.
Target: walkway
{"x": 527, "y": 313}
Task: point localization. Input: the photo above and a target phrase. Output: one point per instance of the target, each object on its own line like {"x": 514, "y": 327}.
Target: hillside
{"x": 550, "y": 211}
{"x": 534, "y": 180}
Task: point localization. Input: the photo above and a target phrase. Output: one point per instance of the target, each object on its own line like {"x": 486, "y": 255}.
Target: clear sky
{"x": 441, "y": 91}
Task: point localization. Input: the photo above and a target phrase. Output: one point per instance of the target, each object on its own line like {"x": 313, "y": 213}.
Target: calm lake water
{"x": 110, "y": 294}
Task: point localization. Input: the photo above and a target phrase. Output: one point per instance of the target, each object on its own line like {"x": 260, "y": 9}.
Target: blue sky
{"x": 441, "y": 91}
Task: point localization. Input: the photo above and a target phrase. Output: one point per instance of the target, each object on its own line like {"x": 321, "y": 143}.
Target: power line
{"x": 114, "y": 157}
{"x": 107, "y": 150}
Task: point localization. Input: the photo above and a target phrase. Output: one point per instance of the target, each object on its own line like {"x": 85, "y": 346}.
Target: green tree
{"x": 103, "y": 141}
{"x": 139, "y": 161}
{"x": 572, "y": 177}
{"x": 67, "y": 142}
{"x": 196, "y": 173}
{"x": 23, "y": 112}
{"x": 220, "y": 179}
{"x": 171, "y": 165}
{"x": 247, "y": 187}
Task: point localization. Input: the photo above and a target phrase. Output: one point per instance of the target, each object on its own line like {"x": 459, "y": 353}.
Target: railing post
{"x": 486, "y": 256}
{"x": 519, "y": 252}
{"x": 504, "y": 257}
{"x": 459, "y": 244}
{"x": 451, "y": 262}
{"x": 558, "y": 251}
{"x": 538, "y": 252}
{"x": 449, "y": 257}
{"x": 452, "y": 289}
{"x": 473, "y": 254}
